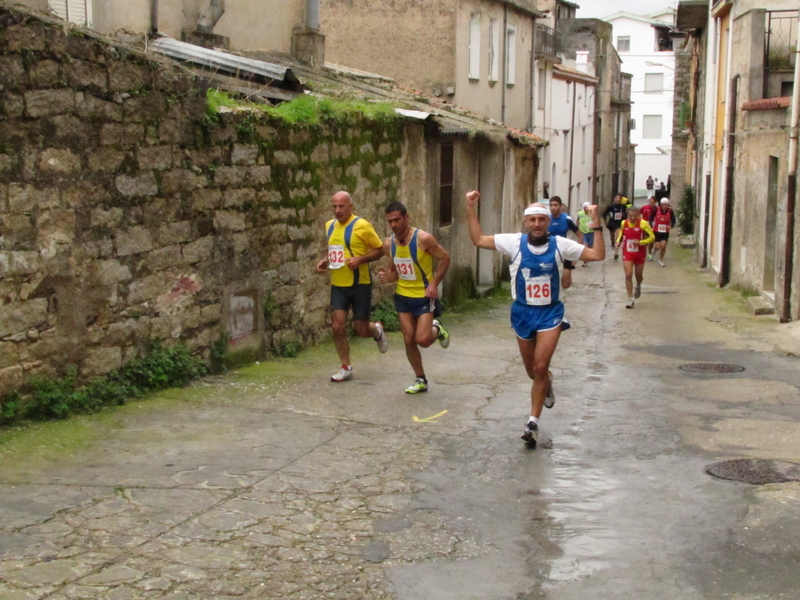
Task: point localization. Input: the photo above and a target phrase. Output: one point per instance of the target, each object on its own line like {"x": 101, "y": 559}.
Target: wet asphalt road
{"x": 271, "y": 482}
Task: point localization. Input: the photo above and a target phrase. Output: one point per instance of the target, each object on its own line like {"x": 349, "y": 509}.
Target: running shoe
{"x": 382, "y": 340}
{"x": 550, "y": 399}
{"x": 419, "y": 386}
{"x": 661, "y": 263}
{"x": 637, "y": 291}
{"x": 616, "y": 255}
{"x": 650, "y": 257}
{"x": 443, "y": 337}
{"x": 531, "y": 435}
{"x": 344, "y": 374}
{"x": 630, "y": 303}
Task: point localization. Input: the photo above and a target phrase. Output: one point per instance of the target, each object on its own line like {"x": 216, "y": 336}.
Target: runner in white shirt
{"x": 537, "y": 313}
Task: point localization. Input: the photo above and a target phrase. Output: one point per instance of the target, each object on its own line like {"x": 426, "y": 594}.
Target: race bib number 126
{"x": 537, "y": 290}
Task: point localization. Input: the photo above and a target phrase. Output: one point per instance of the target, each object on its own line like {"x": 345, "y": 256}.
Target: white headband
{"x": 537, "y": 209}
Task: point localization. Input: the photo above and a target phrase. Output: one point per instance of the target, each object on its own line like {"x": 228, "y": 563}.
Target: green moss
{"x": 460, "y": 286}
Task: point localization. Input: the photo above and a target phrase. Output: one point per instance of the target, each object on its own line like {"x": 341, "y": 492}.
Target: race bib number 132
{"x": 335, "y": 256}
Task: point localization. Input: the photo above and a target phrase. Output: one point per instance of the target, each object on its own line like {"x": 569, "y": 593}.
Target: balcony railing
{"x": 779, "y": 51}
{"x": 548, "y": 41}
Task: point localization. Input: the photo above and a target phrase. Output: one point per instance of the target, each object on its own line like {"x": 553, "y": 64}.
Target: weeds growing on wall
{"x": 686, "y": 211}
{"x": 58, "y": 398}
{"x": 305, "y": 110}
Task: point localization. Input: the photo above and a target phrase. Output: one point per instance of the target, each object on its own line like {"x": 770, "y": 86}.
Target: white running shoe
{"x": 443, "y": 337}
{"x": 630, "y": 303}
{"x": 344, "y": 374}
{"x": 382, "y": 340}
{"x": 550, "y": 399}
{"x": 661, "y": 263}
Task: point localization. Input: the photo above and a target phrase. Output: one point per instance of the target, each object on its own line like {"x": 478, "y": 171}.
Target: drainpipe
{"x": 706, "y": 220}
{"x": 730, "y": 170}
{"x": 571, "y": 145}
{"x": 505, "y": 67}
{"x": 788, "y": 265}
{"x": 153, "y": 17}
{"x": 212, "y": 16}
{"x": 312, "y": 14}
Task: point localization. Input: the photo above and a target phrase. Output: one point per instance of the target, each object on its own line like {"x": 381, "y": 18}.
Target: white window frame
{"x": 542, "y": 100}
{"x": 494, "y": 49}
{"x": 627, "y": 40}
{"x": 648, "y": 126}
{"x": 511, "y": 55}
{"x": 654, "y": 83}
{"x": 74, "y": 11}
{"x": 583, "y": 145}
{"x": 475, "y": 46}
{"x": 566, "y": 150}
{"x": 569, "y": 90}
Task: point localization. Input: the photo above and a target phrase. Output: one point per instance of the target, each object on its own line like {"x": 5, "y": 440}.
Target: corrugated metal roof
{"x": 357, "y": 73}
{"x": 238, "y": 66}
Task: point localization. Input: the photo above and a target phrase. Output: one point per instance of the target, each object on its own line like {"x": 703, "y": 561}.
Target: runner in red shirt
{"x": 634, "y": 236}
{"x": 646, "y": 211}
{"x": 662, "y": 220}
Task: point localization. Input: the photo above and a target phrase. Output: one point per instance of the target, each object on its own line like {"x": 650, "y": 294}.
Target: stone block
{"x": 24, "y": 38}
{"x": 199, "y": 250}
{"x": 290, "y": 272}
{"x": 9, "y": 354}
{"x": 238, "y": 198}
{"x": 175, "y": 131}
{"x": 190, "y": 318}
{"x": 182, "y": 180}
{"x": 321, "y": 154}
{"x": 44, "y": 74}
{"x": 163, "y": 258}
{"x": 43, "y": 103}
{"x": 22, "y": 262}
{"x": 81, "y": 74}
{"x": 19, "y": 317}
{"x": 175, "y": 233}
{"x": 155, "y": 157}
{"x": 210, "y": 313}
{"x": 11, "y": 379}
{"x": 285, "y": 157}
{"x": 100, "y": 361}
{"x": 19, "y": 231}
{"x": 128, "y": 76}
{"x": 141, "y": 185}
{"x": 226, "y": 220}
{"x": 26, "y": 198}
{"x": 57, "y": 161}
{"x": 12, "y": 72}
{"x": 71, "y": 129}
{"x": 260, "y": 175}
{"x": 106, "y": 161}
{"x": 384, "y": 149}
{"x": 229, "y": 176}
{"x": 108, "y": 272}
{"x": 151, "y": 106}
{"x": 148, "y": 288}
{"x": 126, "y": 332}
{"x": 244, "y": 154}
{"x": 241, "y": 242}
{"x": 6, "y": 164}
{"x": 165, "y": 328}
{"x": 133, "y": 241}
{"x": 122, "y": 135}
{"x": 89, "y": 107}
{"x": 13, "y": 105}
{"x": 206, "y": 200}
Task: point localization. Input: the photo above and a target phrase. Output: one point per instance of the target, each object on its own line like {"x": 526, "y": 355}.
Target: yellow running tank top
{"x": 414, "y": 268}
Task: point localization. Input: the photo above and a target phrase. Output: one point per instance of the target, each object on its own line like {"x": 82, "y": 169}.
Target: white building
{"x": 645, "y": 45}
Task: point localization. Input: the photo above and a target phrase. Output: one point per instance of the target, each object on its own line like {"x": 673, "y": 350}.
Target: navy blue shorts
{"x": 417, "y": 306}
{"x": 527, "y": 321}
{"x": 358, "y": 297}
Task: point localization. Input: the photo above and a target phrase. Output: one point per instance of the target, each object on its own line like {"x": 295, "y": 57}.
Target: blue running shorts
{"x": 526, "y": 321}
{"x": 417, "y": 306}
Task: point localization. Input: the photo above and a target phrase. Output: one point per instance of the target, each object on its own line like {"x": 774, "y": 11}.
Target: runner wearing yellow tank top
{"x": 351, "y": 243}
{"x": 412, "y": 252}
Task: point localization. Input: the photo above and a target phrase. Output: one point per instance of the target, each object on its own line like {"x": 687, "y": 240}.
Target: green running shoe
{"x": 443, "y": 337}
{"x": 419, "y": 386}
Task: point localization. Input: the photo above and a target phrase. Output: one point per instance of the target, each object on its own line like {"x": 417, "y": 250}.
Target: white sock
{"x": 533, "y": 419}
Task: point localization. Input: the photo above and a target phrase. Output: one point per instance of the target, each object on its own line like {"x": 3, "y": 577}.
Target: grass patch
{"x": 44, "y": 399}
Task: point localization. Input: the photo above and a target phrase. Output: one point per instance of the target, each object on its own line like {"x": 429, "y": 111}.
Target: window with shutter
{"x": 74, "y": 11}
{"x": 475, "y": 46}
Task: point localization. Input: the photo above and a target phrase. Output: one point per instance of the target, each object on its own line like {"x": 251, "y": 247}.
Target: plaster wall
{"x": 500, "y": 100}
{"x": 410, "y": 41}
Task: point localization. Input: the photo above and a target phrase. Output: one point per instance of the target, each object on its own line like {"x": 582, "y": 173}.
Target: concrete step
{"x": 756, "y": 305}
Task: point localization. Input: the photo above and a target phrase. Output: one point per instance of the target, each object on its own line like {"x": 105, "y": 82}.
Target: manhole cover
{"x": 712, "y": 368}
{"x": 755, "y": 470}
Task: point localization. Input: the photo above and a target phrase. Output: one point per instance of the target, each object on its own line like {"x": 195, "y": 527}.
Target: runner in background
{"x": 634, "y": 236}
{"x": 614, "y": 215}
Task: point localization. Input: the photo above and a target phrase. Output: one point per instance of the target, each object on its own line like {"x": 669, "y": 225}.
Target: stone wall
{"x": 128, "y": 214}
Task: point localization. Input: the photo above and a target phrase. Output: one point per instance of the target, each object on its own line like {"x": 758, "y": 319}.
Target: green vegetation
{"x": 305, "y": 110}
{"x": 58, "y": 398}
{"x": 386, "y": 314}
{"x": 686, "y": 211}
